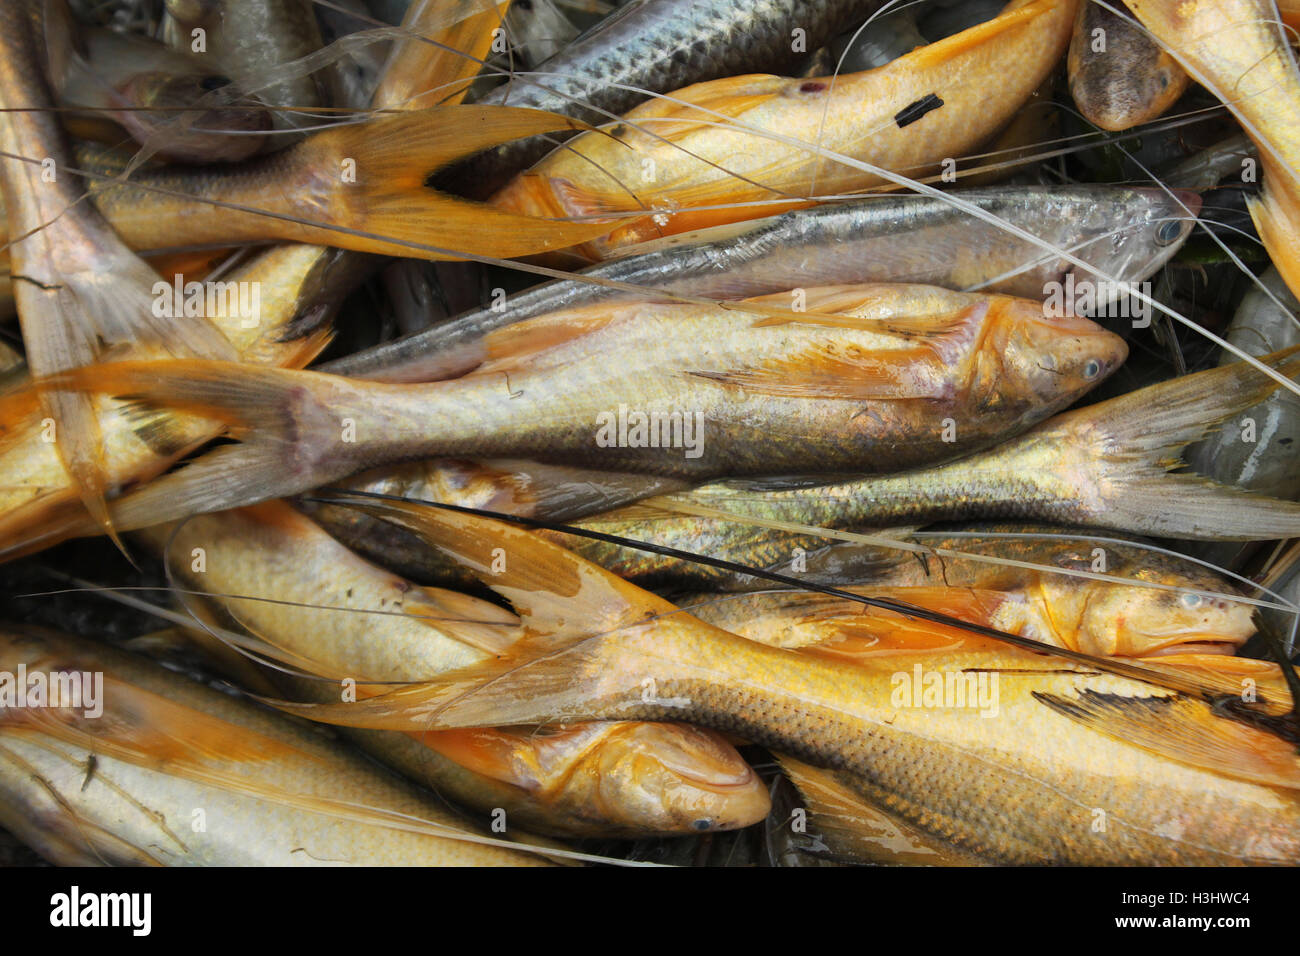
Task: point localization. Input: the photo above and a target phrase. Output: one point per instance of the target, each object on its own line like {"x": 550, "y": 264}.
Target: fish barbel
{"x": 1012, "y": 774}
{"x": 743, "y": 147}
{"x": 938, "y": 373}
{"x": 1125, "y": 233}
{"x": 1119, "y": 76}
{"x": 125, "y": 787}
{"x": 1107, "y": 465}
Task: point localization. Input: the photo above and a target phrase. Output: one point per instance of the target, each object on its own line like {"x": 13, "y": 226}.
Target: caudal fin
{"x": 1137, "y": 441}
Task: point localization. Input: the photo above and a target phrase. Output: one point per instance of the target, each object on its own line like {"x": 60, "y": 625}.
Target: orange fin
{"x": 434, "y": 66}
{"x": 1185, "y": 730}
{"x": 856, "y": 830}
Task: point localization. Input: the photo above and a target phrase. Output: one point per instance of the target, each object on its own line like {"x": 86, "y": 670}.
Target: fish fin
{"x": 396, "y": 210}
{"x": 920, "y": 371}
{"x": 69, "y": 315}
{"x": 861, "y": 632}
{"x": 1185, "y": 730}
{"x": 854, "y": 829}
{"x": 535, "y": 683}
{"x": 933, "y": 56}
{"x": 510, "y": 347}
{"x": 555, "y": 592}
{"x": 1276, "y": 215}
{"x": 288, "y": 420}
{"x": 1139, "y": 438}
{"x": 436, "y": 65}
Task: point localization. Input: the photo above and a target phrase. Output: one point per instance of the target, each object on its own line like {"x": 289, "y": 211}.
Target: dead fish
{"x": 1125, "y": 233}
{"x": 932, "y": 365}
{"x": 1119, "y": 76}
{"x": 741, "y": 148}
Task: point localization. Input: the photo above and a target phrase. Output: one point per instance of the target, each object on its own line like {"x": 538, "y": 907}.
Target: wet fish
{"x": 165, "y": 100}
{"x": 1239, "y": 51}
{"x": 176, "y": 774}
{"x": 81, "y": 290}
{"x": 337, "y": 616}
{"x": 1126, "y": 233}
{"x": 1014, "y": 775}
{"x": 651, "y": 47}
{"x": 514, "y": 486}
{"x": 359, "y": 186}
{"x": 255, "y": 43}
{"x": 1119, "y": 76}
{"x": 1103, "y": 617}
{"x": 741, "y": 148}
{"x": 1256, "y": 449}
{"x": 1103, "y": 466}
{"x": 297, "y": 290}
{"x": 938, "y": 372}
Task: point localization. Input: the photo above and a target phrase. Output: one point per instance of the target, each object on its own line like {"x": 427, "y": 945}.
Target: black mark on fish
{"x": 910, "y": 114}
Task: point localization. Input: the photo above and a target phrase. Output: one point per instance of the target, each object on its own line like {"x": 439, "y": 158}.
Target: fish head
{"x": 1046, "y": 361}
{"x": 668, "y": 779}
{"x": 1136, "y": 620}
{"x": 224, "y": 127}
{"x": 1156, "y": 223}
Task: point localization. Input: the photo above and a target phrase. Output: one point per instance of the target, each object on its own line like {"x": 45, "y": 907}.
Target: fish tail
{"x": 292, "y": 426}
{"x": 586, "y": 653}
{"x": 1141, "y": 437}
{"x": 383, "y": 202}
{"x": 1276, "y": 214}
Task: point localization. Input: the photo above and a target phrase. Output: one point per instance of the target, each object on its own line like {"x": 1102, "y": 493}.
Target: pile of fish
{"x": 792, "y": 432}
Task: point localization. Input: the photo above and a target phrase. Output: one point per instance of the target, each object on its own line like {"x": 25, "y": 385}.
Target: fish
{"x": 177, "y": 774}
{"x": 649, "y": 48}
{"x": 1125, "y": 233}
{"x": 1106, "y": 465}
{"x": 1256, "y": 448}
{"x": 512, "y": 486}
{"x": 1192, "y": 611}
{"x": 743, "y": 147}
{"x": 163, "y": 99}
{"x": 1119, "y": 76}
{"x": 1238, "y": 50}
{"x": 256, "y": 44}
{"x": 359, "y": 186}
{"x": 941, "y": 373}
{"x": 1014, "y": 776}
{"x": 538, "y": 29}
{"x": 337, "y": 616}
{"x": 297, "y": 289}
{"x": 81, "y": 289}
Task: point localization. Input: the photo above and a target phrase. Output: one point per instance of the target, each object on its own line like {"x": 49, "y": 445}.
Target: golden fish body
{"x": 176, "y": 774}
{"x": 746, "y": 139}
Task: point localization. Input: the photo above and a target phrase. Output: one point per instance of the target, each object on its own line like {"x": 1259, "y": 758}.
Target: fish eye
{"x": 1168, "y": 232}
{"x": 1190, "y": 601}
{"x": 1092, "y": 369}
